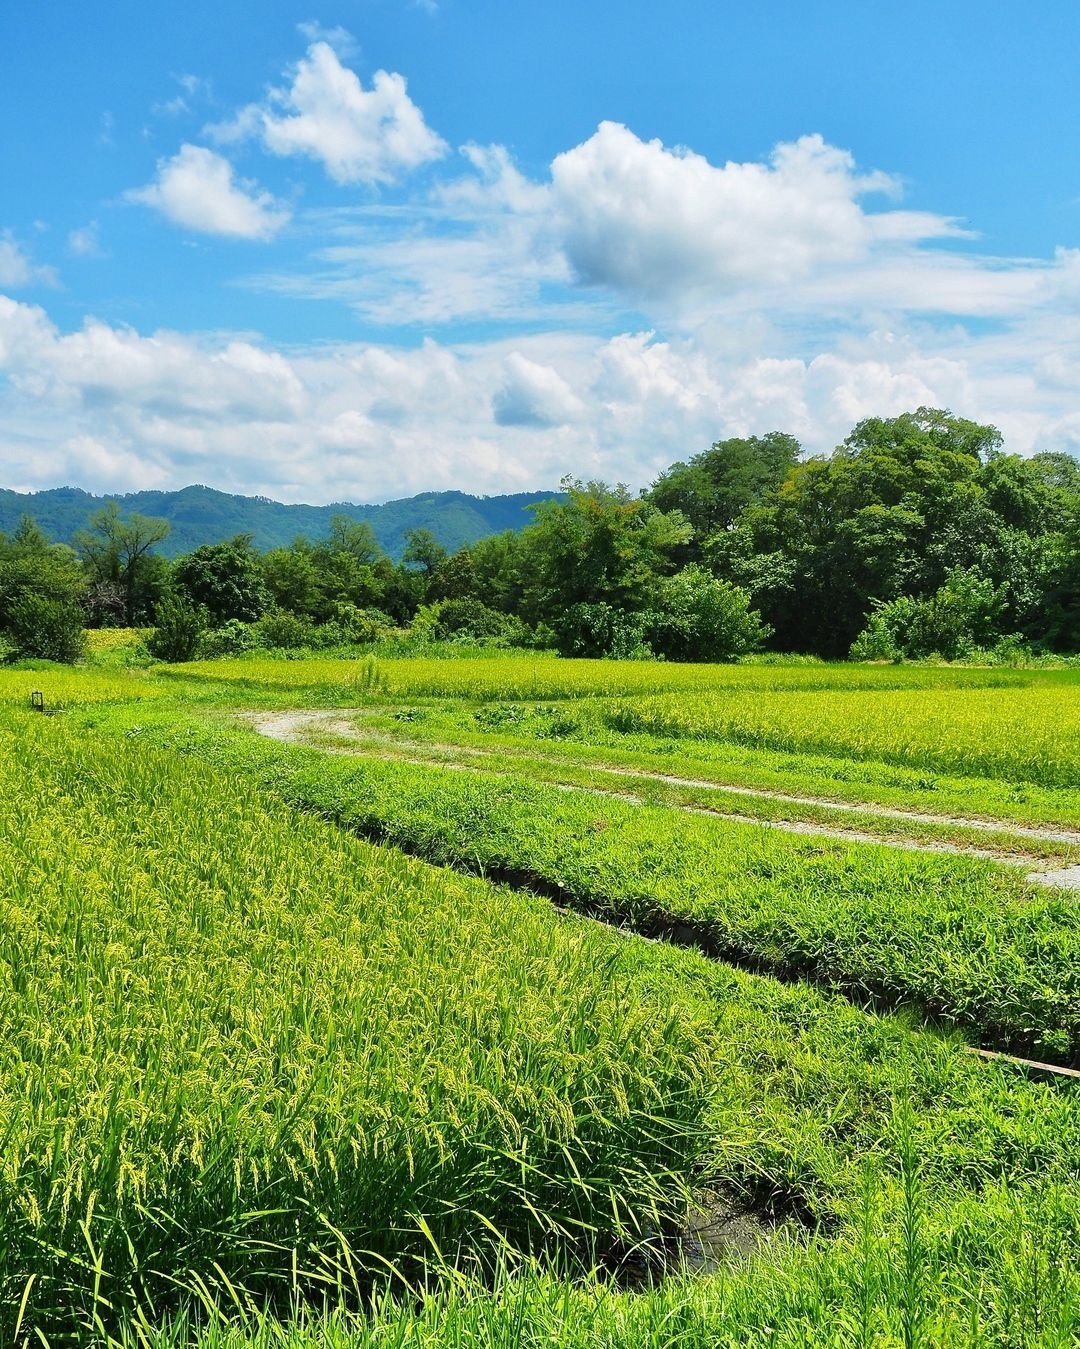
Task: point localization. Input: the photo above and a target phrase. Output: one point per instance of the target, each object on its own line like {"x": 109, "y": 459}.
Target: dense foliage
{"x": 918, "y": 537}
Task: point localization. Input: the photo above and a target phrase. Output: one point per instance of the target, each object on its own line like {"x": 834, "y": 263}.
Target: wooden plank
{"x": 1029, "y": 1065}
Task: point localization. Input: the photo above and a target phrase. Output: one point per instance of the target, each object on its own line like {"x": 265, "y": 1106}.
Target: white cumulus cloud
{"x": 636, "y": 304}
{"x": 114, "y": 409}
{"x": 652, "y": 221}
{"x": 359, "y": 135}
{"x": 534, "y": 395}
{"x": 196, "y": 188}
{"x": 659, "y": 233}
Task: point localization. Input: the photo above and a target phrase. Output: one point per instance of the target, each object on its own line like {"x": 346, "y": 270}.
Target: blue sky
{"x": 376, "y": 247}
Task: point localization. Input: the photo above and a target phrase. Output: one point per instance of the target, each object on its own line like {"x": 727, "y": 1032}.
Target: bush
{"x": 468, "y": 621}
{"x": 702, "y": 618}
{"x": 472, "y": 618}
{"x": 281, "y": 631}
{"x": 601, "y": 629}
{"x": 349, "y": 625}
{"x": 878, "y": 641}
{"x": 179, "y": 630}
{"x": 952, "y": 623}
{"x": 46, "y": 629}
{"x": 233, "y": 638}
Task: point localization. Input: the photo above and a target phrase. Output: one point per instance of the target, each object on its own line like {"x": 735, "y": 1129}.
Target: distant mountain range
{"x": 200, "y": 515}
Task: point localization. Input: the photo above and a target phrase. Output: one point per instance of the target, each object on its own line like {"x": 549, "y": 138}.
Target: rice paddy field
{"x": 515, "y": 1001}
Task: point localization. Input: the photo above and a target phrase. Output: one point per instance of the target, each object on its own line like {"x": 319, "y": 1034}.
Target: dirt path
{"x": 295, "y": 727}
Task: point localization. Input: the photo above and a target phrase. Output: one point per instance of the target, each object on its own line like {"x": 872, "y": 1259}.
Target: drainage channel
{"x": 674, "y": 931}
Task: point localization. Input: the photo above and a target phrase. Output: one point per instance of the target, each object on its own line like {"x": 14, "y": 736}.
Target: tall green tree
{"x": 292, "y": 578}
{"x": 599, "y": 544}
{"x": 1060, "y": 617}
{"x": 117, "y": 550}
{"x": 713, "y": 488}
{"x": 896, "y": 509}
{"x": 423, "y": 552}
{"x": 355, "y": 537}
{"x": 42, "y": 588}
{"x": 224, "y": 579}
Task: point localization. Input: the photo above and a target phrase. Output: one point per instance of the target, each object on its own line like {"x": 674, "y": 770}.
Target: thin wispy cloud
{"x": 18, "y": 268}
{"x": 83, "y": 242}
{"x": 340, "y": 39}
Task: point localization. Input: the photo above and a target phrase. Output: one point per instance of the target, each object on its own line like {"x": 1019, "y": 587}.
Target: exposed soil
{"x": 295, "y": 727}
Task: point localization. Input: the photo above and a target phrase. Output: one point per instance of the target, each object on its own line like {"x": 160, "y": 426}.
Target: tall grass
{"x": 997, "y": 1270}
{"x": 242, "y": 1050}
{"x": 1029, "y": 734}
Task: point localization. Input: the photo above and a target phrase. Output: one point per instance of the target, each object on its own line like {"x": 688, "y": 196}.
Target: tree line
{"x": 917, "y": 536}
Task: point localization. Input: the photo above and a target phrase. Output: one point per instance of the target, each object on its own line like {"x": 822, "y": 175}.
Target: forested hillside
{"x": 199, "y": 515}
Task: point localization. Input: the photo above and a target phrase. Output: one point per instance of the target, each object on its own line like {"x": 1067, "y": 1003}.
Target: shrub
{"x": 601, "y": 629}
{"x": 231, "y": 639}
{"x": 951, "y": 623}
{"x": 701, "y": 618}
{"x": 42, "y": 628}
{"x": 349, "y": 625}
{"x": 282, "y": 631}
{"x": 179, "y": 630}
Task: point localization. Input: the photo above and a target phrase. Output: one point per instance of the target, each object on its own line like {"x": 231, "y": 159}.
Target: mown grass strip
{"x": 579, "y": 735}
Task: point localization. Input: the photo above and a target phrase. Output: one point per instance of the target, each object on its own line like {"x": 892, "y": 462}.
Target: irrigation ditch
{"x": 659, "y": 926}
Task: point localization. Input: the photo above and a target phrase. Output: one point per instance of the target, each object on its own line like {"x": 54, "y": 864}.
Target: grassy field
{"x": 516, "y": 676}
{"x": 1019, "y": 734}
{"x": 267, "y": 1080}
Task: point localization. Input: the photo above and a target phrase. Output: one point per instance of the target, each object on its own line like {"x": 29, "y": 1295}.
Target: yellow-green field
{"x": 64, "y": 688}
{"x": 517, "y": 676}
{"x": 330, "y": 1018}
{"x": 1029, "y": 734}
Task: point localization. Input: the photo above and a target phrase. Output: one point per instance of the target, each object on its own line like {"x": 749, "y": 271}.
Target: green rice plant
{"x": 63, "y": 686}
{"x": 250, "y": 1065}
{"x": 960, "y": 938}
{"x": 1029, "y": 734}
{"x": 244, "y": 1051}
{"x": 517, "y": 676}
{"x": 999, "y": 1270}
{"x": 370, "y": 677}
{"x": 102, "y": 641}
